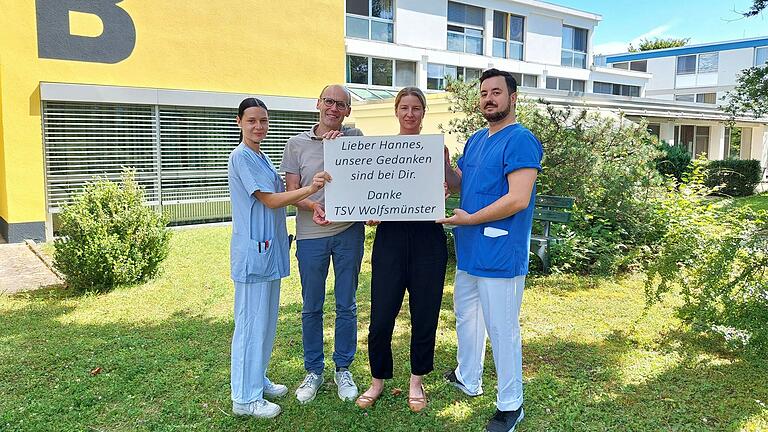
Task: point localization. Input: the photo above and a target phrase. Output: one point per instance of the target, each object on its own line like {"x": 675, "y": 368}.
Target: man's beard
{"x": 497, "y": 116}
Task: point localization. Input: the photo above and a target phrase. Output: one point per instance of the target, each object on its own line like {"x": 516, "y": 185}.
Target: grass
{"x": 757, "y": 202}
{"x": 594, "y": 359}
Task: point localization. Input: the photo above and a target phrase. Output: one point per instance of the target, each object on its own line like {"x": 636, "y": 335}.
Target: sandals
{"x": 365, "y": 402}
{"x": 416, "y": 404}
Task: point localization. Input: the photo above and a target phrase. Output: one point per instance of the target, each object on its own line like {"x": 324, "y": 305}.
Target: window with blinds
{"x": 84, "y": 140}
{"x": 179, "y": 153}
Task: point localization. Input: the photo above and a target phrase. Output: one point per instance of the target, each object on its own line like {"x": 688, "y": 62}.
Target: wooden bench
{"x": 548, "y": 209}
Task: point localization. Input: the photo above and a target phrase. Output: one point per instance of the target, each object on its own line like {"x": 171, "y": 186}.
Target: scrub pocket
{"x": 250, "y": 262}
{"x": 495, "y": 251}
{"x": 260, "y": 263}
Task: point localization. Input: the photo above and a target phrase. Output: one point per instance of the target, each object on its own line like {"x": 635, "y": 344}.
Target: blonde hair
{"x": 411, "y": 91}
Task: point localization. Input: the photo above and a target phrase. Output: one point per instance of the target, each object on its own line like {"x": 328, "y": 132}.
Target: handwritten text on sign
{"x": 385, "y": 178}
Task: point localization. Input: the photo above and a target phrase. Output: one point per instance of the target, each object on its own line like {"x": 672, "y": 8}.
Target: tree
{"x": 658, "y": 43}
{"x": 756, "y": 9}
{"x": 751, "y": 93}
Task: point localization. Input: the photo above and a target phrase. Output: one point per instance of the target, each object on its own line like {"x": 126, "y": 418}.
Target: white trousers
{"x": 256, "y": 307}
{"x": 490, "y": 306}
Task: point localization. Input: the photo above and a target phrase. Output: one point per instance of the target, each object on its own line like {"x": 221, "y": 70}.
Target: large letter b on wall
{"x": 55, "y": 41}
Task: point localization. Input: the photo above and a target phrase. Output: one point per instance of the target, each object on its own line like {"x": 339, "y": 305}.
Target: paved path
{"x": 22, "y": 270}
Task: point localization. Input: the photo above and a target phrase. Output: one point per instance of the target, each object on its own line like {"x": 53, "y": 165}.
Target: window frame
{"x": 716, "y": 54}
{"x": 621, "y": 89}
{"x": 461, "y": 72}
{"x": 371, "y": 19}
{"x": 696, "y": 68}
{"x": 507, "y": 41}
{"x": 369, "y": 72}
{"x": 691, "y": 147}
{"x": 573, "y": 51}
{"x": 758, "y": 50}
{"x": 570, "y": 87}
{"x": 703, "y": 97}
{"x": 463, "y": 34}
{"x": 695, "y": 97}
{"x": 523, "y": 77}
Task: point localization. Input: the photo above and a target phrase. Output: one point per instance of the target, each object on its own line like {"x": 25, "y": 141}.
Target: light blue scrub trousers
{"x": 256, "y": 307}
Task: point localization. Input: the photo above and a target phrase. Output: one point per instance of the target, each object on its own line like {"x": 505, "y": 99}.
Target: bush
{"x": 109, "y": 238}
{"x": 737, "y": 177}
{"x": 718, "y": 256}
{"x": 607, "y": 163}
{"x": 675, "y": 161}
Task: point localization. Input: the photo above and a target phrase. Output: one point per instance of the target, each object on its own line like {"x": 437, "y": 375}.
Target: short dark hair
{"x": 493, "y": 72}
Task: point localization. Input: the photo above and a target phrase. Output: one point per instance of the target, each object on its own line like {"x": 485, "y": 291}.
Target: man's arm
{"x": 317, "y": 209}
{"x": 520, "y": 184}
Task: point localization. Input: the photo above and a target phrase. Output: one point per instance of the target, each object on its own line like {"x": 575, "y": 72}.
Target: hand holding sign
{"x": 385, "y": 178}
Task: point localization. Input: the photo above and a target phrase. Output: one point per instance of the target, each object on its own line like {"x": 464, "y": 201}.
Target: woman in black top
{"x": 406, "y": 256}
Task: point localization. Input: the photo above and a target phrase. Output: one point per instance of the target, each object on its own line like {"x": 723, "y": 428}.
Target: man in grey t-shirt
{"x": 317, "y": 242}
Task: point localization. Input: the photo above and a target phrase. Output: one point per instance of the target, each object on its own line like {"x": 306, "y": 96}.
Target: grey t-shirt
{"x": 303, "y": 155}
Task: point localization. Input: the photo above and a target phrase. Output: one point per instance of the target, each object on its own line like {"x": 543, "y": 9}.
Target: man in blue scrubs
{"x": 497, "y": 177}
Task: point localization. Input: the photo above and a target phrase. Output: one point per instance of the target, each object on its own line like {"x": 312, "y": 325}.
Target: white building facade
{"x": 695, "y": 73}
{"x": 391, "y": 44}
{"x": 396, "y": 43}
{"x": 701, "y": 75}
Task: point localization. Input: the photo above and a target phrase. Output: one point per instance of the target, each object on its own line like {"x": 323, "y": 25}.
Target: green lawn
{"x": 757, "y": 202}
{"x": 594, "y": 360}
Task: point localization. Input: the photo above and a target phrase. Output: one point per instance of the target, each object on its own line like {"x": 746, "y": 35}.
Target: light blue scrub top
{"x": 496, "y": 249}
{"x": 254, "y": 224}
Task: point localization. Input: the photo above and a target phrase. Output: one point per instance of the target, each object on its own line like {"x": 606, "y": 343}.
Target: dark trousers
{"x": 412, "y": 256}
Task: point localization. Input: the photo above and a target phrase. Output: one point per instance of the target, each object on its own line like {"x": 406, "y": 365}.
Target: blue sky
{"x": 703, "y": 21}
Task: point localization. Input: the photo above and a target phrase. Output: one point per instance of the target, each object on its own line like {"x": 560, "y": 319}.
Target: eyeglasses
{"x": 329, "y": 102}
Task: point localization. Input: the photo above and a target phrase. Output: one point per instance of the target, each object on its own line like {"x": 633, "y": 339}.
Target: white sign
{"x": 385, "y": 178}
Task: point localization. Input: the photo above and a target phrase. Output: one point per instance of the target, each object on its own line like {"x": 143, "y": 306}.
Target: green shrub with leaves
{"x": 737, "y": 177}
{"x": 675, "y": 161}
{"x": 109, "y": 238}
{"x": 717, "y": 256}
{"x": 605, "y": 162}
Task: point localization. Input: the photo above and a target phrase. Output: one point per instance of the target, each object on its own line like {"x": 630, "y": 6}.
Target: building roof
{"x": 689, "y": 49}
{"x": 561, "y": 9}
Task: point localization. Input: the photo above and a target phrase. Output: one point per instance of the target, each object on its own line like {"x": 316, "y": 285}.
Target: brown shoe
{"x": 416, "y": 404}
{"x": 366, "y": 402}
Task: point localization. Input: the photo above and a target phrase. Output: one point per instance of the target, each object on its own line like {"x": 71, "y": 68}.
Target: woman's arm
{"x": 282, "y": 199}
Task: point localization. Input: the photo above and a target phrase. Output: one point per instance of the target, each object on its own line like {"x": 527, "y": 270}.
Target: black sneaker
{"x": 451, "y": 377}
{"x": 504, "y": 421}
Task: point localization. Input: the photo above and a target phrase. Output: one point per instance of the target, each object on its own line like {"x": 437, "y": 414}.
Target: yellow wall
{"x": 267, "y": 47}
{"x": 378, "y": 118}
{"x": 3, "y": 193}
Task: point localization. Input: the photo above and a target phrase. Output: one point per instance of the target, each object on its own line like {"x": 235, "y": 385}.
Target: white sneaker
{"x": 260, "y": 408}
{"x": 309, "y": 387}
{"x": 347, "y": 387}
{"x": 275, "y": 390}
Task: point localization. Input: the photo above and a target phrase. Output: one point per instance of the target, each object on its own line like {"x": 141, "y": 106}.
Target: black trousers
{"x": 412, "y": 256}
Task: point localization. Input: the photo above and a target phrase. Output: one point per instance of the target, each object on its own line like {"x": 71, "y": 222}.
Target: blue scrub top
{"x": 259, "y": 248}
{"x": 497, "y": 249}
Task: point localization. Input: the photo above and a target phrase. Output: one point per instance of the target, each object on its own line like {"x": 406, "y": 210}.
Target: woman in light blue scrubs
{"x": 259, "y": 259}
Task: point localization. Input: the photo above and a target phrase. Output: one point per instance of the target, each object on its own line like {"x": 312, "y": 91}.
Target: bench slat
{"x": 551, "y": 215}
{"x": 554, "y": 201}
